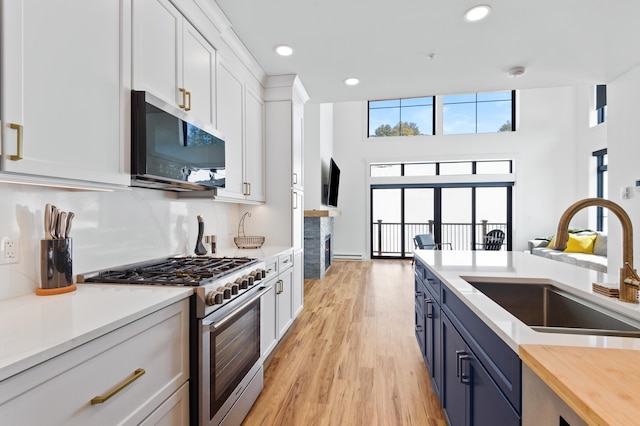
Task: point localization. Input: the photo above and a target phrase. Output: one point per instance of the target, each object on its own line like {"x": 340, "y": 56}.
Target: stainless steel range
{"x": 225, "y": 330}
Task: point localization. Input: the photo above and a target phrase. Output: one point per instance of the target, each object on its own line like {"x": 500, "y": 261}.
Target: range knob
{"x": 249, "y": 278}
{"x": 226, "y": 292}
{"x": 233, "y": 286}
{"x": 257, "y": 274}
{"x": 243, "y": 283}
{"x": 213, "y": 298}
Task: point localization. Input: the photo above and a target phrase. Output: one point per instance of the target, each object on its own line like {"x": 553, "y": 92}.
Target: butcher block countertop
{"x": 601, "y": 385}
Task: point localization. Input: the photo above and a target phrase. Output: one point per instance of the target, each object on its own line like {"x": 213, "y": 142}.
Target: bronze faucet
{"x": 629, "y": 279}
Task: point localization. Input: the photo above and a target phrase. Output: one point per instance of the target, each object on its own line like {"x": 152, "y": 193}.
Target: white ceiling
{"x": 385, "y": 44}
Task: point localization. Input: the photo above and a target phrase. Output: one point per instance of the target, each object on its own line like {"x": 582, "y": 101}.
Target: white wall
{"x": 318, "y": 150}
{"x": 110, "y": 229}
{"x": 544, "y": 149}
{"x": 624, "y": 158}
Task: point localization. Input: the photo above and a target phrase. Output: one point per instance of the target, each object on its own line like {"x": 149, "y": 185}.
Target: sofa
{"x": 585, "y": 248}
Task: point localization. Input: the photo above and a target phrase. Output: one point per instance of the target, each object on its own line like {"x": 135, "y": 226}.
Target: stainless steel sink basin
{"x": 546, "y": 308}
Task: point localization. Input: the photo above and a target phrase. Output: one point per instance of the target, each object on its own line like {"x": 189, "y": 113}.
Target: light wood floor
{"x": 351, "y": 357}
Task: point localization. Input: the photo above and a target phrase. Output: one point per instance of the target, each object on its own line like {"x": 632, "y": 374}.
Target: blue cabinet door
{"x": 433, "y": 355}
{"x": 419, "y": 316}
{"x": 488, "y": 406}
{"x": 455, "y": 395}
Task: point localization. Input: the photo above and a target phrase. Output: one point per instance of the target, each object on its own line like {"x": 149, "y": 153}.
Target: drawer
{"x": 174, "y": 411}
{"x": 271, "y": 265}
{"x": 285, "y": 261}
{"x": 61, "y": 390}
{"x": 432, "y": 284}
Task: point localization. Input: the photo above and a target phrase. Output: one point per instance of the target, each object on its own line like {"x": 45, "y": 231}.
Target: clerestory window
{"x": 402, "y": 117}
{"x": 479, "y": 113}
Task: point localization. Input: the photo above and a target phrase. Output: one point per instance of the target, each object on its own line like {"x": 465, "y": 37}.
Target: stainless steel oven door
{"x": 230, "y": 361}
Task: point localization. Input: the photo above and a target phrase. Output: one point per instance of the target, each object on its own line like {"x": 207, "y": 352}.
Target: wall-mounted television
{"x": 333, "y": 184}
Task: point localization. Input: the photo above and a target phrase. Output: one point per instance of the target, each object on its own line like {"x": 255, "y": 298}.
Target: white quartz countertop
{"x": 34, "y": 328}
{"x": 456, "y": 267}
{"x": 262, "y": 253}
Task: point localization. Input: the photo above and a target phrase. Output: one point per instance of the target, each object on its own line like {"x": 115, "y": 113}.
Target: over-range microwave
{"x": 172, "y": 151}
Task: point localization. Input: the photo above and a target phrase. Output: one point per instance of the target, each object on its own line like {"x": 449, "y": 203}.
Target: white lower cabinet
{"x": 283, "y": 301}
{"x": 281, "y": 305}
{"x": 136, "y": 373}
{"x": 298, "y": 282}
{"x": 268, "y": 313}
{"x": 174, "y": 411}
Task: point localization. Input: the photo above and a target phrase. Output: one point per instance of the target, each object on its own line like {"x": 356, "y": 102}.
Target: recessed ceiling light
{"x": 284, "y": 50}
{"x": 477, "y": 13}
{"x": 351, "y": 81}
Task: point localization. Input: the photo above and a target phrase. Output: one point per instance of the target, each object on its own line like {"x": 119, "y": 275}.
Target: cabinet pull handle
{"x": 295, "y": 200}
{"x": 19, "y": 129}
{"x": 461, "y": 356}
{"x": 295, "y": 178}
{"x": 188, "y": 108}
{"x": 428, "y": 302}
{"x": 249, "y": 186}
{"x": 465, "y": 379}
{"x": 102, "y": 399}
{"x": 458, "y": 362}
{"x": 184, "y": 97}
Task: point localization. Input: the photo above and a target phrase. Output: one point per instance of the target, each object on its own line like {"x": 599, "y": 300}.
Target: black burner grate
{"x": 174, "y": 271}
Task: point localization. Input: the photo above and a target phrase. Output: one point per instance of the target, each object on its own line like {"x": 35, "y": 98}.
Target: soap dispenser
{"x": 200, "y": 249}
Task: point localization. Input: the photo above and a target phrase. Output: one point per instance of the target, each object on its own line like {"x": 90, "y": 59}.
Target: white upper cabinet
{"x": 172, "y": 60}
{"x": 241, "y": 121}
{"x": 254, "y": 146}
{"x": 297, "y": 145}
{"x": 230, "y": 124}
{"x": 61, "y": 91}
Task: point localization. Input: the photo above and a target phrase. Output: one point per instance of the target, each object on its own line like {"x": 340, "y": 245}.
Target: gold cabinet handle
{"x": 19, "y": 128}
{"x": 249, "y": 186}
{"x": 188, "y": 108}
{"x": 184, "y": 97}
{"x": 102, "y": 399}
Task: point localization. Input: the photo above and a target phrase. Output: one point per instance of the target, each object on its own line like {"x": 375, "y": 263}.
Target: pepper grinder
{"x": 200, "y": 249}
{"x": 211, "y": 239}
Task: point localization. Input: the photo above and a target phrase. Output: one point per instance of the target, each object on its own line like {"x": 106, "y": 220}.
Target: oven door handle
{"x": 236, "y": 312}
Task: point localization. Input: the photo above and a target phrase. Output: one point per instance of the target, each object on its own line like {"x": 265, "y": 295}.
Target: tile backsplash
{"x": 109, "y": 228}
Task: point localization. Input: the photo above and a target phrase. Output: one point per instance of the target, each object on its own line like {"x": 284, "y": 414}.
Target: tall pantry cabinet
{"x": 283, "y": 215}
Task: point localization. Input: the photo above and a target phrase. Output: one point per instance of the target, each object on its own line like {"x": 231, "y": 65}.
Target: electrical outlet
{"x": 10, "y": 250}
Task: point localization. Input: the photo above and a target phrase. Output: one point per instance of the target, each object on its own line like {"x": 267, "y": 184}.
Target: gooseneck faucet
{"x": 629, "y": 279}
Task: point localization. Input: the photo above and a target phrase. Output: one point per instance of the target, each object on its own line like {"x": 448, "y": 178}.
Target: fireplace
{"x": 327, "y": 252}
{"x": 318, "y": 250}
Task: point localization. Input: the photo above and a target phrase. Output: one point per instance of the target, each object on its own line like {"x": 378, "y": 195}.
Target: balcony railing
{"x": 387, "y": 236}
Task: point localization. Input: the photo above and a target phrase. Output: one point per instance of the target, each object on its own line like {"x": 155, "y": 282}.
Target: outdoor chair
{"x": 426, "y": 242}
{"x": 493, "y": 241}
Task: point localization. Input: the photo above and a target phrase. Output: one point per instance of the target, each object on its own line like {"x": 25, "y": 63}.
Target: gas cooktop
{"x": 174, "y": 271}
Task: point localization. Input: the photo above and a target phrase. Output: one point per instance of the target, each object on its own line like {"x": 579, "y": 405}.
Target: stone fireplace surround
{"x": 318, "y": 247}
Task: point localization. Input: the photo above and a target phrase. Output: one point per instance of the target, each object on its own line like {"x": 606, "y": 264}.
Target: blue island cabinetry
{"x": 476, "y": 375}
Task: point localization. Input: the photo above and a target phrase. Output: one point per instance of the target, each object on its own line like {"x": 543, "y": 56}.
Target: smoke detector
{"x": 515, "y": 72}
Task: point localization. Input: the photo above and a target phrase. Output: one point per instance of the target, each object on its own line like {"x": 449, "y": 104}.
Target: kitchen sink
{"x": 546, "y": 308}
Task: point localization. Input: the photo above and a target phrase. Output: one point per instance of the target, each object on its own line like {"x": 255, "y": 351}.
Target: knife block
{"x": 56, "y": 267}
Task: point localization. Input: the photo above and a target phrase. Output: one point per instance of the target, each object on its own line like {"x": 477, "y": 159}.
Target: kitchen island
{"x": 454, "y": 270}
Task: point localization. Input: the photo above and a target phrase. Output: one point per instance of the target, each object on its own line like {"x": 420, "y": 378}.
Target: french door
{"x": 457, "y": 215}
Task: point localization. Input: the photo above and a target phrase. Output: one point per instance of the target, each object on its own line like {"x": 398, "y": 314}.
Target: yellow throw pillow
{"x": 552, "y": 243}
{"x": 580, "y": 243}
